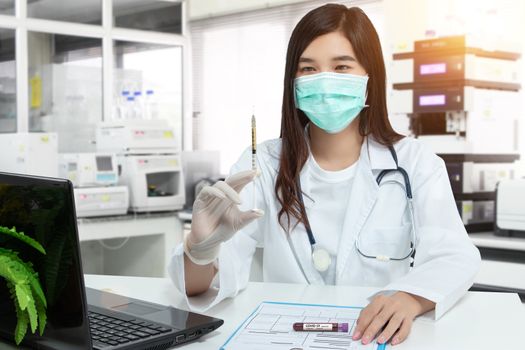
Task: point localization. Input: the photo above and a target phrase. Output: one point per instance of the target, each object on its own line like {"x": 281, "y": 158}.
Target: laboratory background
{"x": 141, "y": 104}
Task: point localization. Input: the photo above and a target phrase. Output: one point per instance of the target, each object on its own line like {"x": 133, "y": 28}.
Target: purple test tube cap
{"x": 343, "y": 327}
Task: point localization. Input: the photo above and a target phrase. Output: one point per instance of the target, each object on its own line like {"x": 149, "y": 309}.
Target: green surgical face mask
{"x": 331, "y": 100}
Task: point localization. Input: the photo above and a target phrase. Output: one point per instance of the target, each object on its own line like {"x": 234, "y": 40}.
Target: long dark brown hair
{"x": 358, "y": 29}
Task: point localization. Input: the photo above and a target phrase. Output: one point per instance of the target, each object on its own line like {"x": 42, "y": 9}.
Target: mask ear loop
{"x": 366, "y": 94}
{"x": 294, "y": 93}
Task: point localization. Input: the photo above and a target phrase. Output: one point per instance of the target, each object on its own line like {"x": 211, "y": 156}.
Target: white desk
{"x": 481, "y": 321}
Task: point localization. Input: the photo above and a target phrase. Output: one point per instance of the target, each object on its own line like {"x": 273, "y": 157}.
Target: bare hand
{"x": 391, "y": 317}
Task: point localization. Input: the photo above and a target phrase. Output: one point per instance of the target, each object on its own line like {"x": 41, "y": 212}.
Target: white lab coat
{"x": 446, "y": 261}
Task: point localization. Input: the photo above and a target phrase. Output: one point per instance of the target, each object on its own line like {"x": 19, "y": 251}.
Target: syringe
{"x": 254, "y": 155}
{"x": 254, "y": 143}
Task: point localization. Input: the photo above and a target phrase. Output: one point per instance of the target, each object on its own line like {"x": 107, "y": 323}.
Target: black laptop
{"x": 78, "y": 318}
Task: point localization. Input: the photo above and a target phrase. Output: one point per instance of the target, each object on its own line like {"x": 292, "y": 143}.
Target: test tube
{"x": 254, "y": 155}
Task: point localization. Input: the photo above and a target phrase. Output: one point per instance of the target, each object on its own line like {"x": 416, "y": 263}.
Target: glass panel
{"x": 65, "y": 88}
{"x": 84, "y": 11}
{"x": 148, "y": 83}
{"x": 7, "y": 7}
{"x": 7, "y": 81}
{"x": 159, "y": 16}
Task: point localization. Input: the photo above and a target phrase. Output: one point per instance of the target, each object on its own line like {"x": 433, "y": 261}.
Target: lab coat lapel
{"x": 363, "y": 196}
{"x": 304, "y": 251}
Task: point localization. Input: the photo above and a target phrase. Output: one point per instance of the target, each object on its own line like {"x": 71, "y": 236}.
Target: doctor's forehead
{"x": 329, "y": 47}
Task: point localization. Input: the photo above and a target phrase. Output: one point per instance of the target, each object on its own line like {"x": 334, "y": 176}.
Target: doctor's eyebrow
{"x": 306, "y": 60}
{"x": 344, "y": 58}
{"x": 337, "y": 58}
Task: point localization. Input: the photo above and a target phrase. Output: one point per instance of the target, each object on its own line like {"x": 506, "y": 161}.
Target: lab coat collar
{"x": 378, "y": 155}
{"x": 373, "y": 156}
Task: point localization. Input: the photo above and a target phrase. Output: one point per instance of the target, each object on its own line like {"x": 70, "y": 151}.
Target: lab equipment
{"x": 89, "y": 169}
{"x": 270, "y": 326}
{"x": 101, "y": 201}
{"x": 474, "y": 178}
{"x": 150, "y": 106}
{"x": 71, "y": 105}
{"x": 155, "y": 181}
{"x": 462, "y": 99}
{"x": 458, "y": 58}
{"x": 137, "y": 137}
{"x": 320, "y": 327}
{"x": 94, "y": 176}
{"x": 119, "y": 108}
{"x": 455, "y": 105}
{"x": 131, "y": 110}
{"x": 29, "y": 153}
{"x": 149, "y": 158}
{"x": 478, "y": 173}
{"x": 460, "y": 119}
{"x": 510, "y": 210}
{"x": 320, "y": 256}
{"x": 138, "y": 105}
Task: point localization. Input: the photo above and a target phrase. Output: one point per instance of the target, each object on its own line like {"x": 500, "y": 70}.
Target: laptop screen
{"x": 44, "y": 210}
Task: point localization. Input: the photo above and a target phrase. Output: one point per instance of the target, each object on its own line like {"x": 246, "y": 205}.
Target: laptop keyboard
{"x": 110, "y": 331}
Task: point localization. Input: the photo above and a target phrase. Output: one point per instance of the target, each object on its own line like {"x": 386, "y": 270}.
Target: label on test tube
{"x": 321, "y": 327}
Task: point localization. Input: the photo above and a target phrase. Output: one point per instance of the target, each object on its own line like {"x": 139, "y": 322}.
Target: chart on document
{"x": 270, "y": 327}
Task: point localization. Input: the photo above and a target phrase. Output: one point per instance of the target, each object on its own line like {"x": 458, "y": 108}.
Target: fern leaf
{"x": 31, "y": 311}
{"x": 23, "y": 295}
{"x": 25, "y": 271}
{"x": 37, "y": 289}
{"x": 11, "y": 270}
{"x": 24, "y": 286}
{"x": 19, "y": 276}
{"x": 22, "y": 237}
{"x": 21, "y": 324}
{"x": 42, "y": 317}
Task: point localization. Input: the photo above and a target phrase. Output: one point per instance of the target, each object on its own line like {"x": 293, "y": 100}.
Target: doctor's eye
{"x": 342, "y": 67}
{"x": 307, "y": 69}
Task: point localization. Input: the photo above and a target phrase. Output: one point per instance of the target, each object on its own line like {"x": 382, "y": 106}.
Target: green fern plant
{"x": 24, "y": 286}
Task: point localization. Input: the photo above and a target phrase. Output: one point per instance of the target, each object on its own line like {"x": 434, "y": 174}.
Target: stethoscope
{"x": 321, "y": 257}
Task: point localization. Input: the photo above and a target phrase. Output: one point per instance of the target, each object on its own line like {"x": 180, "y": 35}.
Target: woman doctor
{"x": 333, "y": 207}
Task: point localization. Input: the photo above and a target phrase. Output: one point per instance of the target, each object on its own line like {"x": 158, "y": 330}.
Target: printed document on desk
{"x": 270, "y": 327}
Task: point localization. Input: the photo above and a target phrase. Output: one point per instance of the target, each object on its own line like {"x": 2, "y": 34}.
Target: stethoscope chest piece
{"x": 321, "y": 258}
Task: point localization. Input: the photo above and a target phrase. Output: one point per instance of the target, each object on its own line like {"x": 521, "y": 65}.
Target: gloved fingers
{"x": 239, "y": 180}
{"x": 228, "y": 192}
{"x": 209, "y": 192}
{"x": 246, "y": 217}
{"x": 209, "y": 198}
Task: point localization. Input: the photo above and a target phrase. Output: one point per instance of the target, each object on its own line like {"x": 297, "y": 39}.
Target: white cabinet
{"x": 130, "y": 245}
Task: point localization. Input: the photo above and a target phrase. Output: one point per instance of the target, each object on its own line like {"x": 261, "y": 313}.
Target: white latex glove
{"x": 216, "y": 217}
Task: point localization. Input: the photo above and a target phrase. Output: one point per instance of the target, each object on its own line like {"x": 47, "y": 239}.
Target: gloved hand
{"x": 216, "y": 217}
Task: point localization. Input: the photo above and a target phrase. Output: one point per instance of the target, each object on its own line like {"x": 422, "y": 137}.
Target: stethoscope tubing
{"x": 382, "y": 174}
